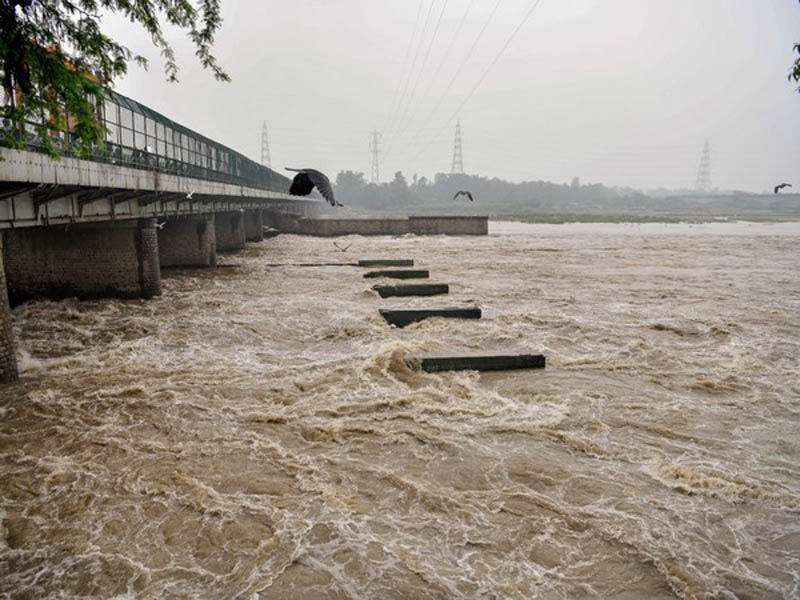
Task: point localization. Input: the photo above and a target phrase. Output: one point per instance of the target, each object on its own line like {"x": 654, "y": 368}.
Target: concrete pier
{"x": 87, "y": 260}
{"x": 188, "y": 241}
{"x": 253, "y": 225}
{"x": 401, "y": 318}
{"x": 8, "y": 358}
{"x": 476, "y": 362}
{"x": 229, "y": 231}
{"x": 413, "y": 289}
{"x": 399, "y": 273}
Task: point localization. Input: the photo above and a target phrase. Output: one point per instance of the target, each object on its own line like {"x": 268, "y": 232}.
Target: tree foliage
{"x": 57, "y": 63}
{"x": 794, "y": 73}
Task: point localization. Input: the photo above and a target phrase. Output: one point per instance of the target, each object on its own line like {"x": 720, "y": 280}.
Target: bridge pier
{"x": 188, "y": 241}
{"x": 229, "y": 229}
{"x": 8, "y": 357}
{"x": 254, "y": 225}
{"x": 87, "y": 260}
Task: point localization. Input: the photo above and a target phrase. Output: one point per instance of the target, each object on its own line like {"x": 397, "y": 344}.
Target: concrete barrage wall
{"x": 109, "y": 259}
{"x": 8, "y": 357}
{"x": 448, "y": 225}
{"x": 411, "y": 225}
{"x": 188, "y": 242}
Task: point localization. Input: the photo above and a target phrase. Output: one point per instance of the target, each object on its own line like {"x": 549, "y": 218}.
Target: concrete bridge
{"x": 156, "y": 195}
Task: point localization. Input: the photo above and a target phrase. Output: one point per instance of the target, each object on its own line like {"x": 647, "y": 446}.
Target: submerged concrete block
{"x": 399, "y": 273}
{"x": 412, "y": 289}
{"x": 476, "y": 362}
{"x": 403, "y": 317}
{"x": 386, "y": 262}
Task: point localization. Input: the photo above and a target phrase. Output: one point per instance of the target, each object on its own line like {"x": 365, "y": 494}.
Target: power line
{"x": 395, "y": 97}
{"x": 413, "y": 63}
{"x": 421, "y": 69}
{"x": 447, "y": 52}
{"x": 496, "y": 58}
{"x": 463, "y": 63}
{"x": 491, "y": 65}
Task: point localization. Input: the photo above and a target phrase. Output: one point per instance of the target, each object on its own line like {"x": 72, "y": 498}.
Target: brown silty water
{"x": 255, "y": 433}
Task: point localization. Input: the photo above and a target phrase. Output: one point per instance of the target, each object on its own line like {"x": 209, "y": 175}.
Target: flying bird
{"x": 780, "y": 186}
{"x": 307, "y": 179}
{"x": 189, "y": 195}
{"x": 343, "y": 248}
{"x": 160, "y": 225}
{"x": 463, "y": 193}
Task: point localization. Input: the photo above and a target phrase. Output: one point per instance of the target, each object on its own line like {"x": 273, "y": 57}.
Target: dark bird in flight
{"x": 307, "y": 179}
{"x": 780, "y": 186}
{"x": 464, "y": 193}
{"x": 343, "y": 248}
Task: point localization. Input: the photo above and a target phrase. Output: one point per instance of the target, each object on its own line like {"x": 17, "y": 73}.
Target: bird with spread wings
{"x": 307, "y": 179}
{"x": 463, "y": 193}
{"x": 780, "y": 186}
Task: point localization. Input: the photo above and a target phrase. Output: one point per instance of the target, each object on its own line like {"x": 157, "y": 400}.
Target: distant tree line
{"x": 489, "y": 193}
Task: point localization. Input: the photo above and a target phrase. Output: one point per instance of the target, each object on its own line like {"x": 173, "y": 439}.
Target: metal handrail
{"x": 212, "y": 160}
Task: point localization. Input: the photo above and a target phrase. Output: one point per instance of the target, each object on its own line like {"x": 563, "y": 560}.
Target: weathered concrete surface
{"x": 229, "y": 230}
{"x": 188, "y": 241}
{"x": 89, "y": 260}
{"x": 415, "y": 289}
{"x": 399, "y": 273}
{"x": 8, "y": 357}
{"x": 253, "y": 225}
{"x": 476, "y": 362}
{"x": 448, "y": 225}
{"x": 403, "y": 317}
{"x": 386, "y": 262}
{"x": 411, "y": 225}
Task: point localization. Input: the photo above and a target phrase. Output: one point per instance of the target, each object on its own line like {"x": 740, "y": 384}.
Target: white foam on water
{"x": 256, "y": 432}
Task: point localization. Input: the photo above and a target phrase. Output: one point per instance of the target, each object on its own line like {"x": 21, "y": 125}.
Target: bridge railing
{"x": 137, "y": 136}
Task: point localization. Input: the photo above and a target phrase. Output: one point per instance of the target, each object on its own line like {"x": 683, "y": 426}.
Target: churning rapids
{"x": 255, "y": 433}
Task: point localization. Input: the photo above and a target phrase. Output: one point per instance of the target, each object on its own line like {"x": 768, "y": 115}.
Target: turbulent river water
{"x": 255, "y": 433}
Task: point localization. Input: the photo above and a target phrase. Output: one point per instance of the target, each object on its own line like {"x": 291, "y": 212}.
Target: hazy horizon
{"x": 612, "y": 92}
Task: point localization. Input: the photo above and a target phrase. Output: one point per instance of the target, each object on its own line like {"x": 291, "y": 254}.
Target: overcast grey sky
{"x": 621, "y": 92}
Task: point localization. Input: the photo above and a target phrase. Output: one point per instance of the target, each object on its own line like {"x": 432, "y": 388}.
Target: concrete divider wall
{"x": 449, "y": 225}
{"x": 8, "y": 358}
{"x": 109, "y": 259}
{"x": 188, "y": 241}
{"x": 336, "y": 227}
{"x": 412, "y": 225}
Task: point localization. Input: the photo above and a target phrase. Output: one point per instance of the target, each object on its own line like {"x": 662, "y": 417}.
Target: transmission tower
{"x": 265, "y": 159}
{"x": 375, "y": 139}
{"x": 704, "y": 170}
{"x": 458, "y": 161}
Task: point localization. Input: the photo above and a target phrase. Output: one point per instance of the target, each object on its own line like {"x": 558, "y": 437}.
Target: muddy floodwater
{"x": 255, "y": 433}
